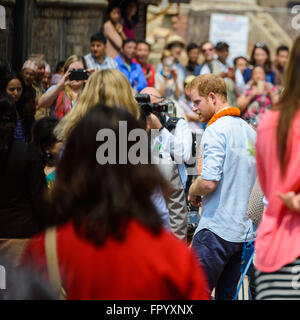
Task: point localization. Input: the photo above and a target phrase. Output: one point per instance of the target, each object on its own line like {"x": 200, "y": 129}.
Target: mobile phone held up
{"x": 78, "y": 75}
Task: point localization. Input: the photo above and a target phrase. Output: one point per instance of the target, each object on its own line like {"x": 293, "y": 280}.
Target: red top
{"x": 146, "y": 67}
{"x": 142, "y": 267}
{"x": 278, "y": 238}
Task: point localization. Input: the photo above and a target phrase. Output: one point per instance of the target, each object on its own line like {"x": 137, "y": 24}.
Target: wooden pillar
{"x": 21, "y": 43}
{"x": 140, "y": 28}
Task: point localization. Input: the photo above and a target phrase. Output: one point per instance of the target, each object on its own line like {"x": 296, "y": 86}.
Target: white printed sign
{"x": 2, "y": 278}
{"x": 232, "y": 29}
{"x": 2, "y": 18}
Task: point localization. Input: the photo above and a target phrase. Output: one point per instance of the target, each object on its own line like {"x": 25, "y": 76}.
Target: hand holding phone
{"x": 174, "y": 74}
{"x": 78, "y": 75}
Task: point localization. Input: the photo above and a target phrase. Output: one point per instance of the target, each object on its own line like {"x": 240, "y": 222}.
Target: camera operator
{"x": 177, "y": 144}
{"x": 175, "y": 148}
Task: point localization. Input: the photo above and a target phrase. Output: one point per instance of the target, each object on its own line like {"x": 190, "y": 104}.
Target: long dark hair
{"x": 135, "y": 19}
{"x": 288, "y": 103}
{"x": 43, "y": 137}
{"x": 102, "y": 199}
{"x": 23, "y": 112}
{"x": 268, "y": 63}
{"x": 8, "y": 118}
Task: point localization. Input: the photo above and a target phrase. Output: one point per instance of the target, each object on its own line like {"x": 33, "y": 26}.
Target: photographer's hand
{"x": 154, "y": 122}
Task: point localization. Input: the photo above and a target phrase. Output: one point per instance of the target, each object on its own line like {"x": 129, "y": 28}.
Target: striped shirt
{"x": 92, "y": 63}
{"x": 280, "y": 285}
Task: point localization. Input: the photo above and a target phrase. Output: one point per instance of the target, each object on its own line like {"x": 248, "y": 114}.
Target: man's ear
{"x": 212, "y": 97}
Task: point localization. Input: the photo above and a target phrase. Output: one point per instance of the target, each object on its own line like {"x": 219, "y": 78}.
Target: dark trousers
{"x": 221, "y": 261}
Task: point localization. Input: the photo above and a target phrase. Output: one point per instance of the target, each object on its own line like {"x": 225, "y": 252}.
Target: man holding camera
{"x": 173, "y": 145}
{"x": 177, "y": 145}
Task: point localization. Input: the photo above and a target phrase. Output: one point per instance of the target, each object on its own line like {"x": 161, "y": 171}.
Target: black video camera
{"x": 78, "y": 75}
{"x": 147, "y": 107}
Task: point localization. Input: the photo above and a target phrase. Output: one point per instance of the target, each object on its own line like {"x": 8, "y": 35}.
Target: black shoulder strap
{"x": 210, "y": 66}
{"x": 171, "y": 123}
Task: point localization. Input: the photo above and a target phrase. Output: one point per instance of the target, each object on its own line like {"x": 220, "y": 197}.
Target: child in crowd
{"x": 113, "y": 30}
{"x": 49, "y": 147}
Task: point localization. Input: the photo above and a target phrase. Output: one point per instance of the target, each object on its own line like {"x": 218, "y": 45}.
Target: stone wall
{"x": 60, "y": 32}
{"x": 55, "y": 28}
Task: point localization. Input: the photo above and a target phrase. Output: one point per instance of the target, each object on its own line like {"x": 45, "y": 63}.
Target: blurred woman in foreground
{"x": 110, "y": 239}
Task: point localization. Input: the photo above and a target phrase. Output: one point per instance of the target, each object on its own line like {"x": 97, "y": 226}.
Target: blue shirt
{"x": 198, "y": 70}
{"x": 270, "y": 76}
{"x": 226, "y": 158}
{"x": 92, "y": 63}
{"x": 135, "y": 74}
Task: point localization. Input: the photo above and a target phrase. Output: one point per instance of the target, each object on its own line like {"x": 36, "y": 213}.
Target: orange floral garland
{"x": 231, "y": 111}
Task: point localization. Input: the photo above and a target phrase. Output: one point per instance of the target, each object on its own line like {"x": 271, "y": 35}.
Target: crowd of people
{"x": 171, "y": 228}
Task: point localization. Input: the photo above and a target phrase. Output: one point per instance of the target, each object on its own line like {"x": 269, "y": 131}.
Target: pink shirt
{"x": 278, "y": 238}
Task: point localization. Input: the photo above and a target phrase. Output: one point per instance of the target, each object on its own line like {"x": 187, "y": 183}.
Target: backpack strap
{"x": 170, "y": 125}
{"x": 52, "y": 262}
